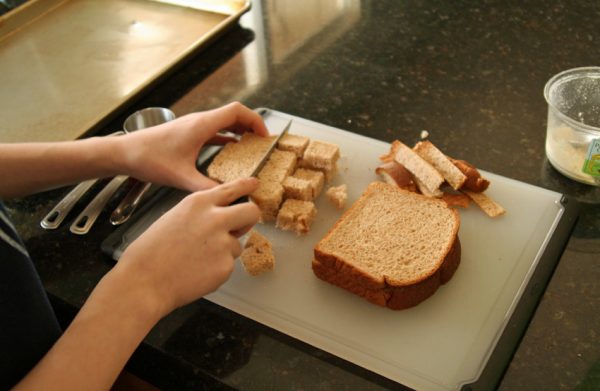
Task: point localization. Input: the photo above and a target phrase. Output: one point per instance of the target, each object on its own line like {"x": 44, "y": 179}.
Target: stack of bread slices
{"x": 398, "y": 243}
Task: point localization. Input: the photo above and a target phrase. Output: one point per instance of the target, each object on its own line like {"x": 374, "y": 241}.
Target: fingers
{"x": 240, "y": 218}
{"x": 221, "y": 139}
{"x": 238, "y": 118}
{"x": 228, "y": 192}
{"x": 195, "y": 181}
{"x": 236, "y": 247}
{"x": 238, "y": 233}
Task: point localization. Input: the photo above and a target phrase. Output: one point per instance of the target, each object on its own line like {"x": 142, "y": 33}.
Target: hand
{"x": 166, "y": 154}
{"x": 190, "y": 251}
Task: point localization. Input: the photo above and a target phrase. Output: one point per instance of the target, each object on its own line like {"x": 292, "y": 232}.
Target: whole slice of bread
{"x": 392, "y": 247}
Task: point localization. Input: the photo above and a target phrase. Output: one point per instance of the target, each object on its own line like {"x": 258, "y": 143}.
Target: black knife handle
{"x": 241, "y": 200}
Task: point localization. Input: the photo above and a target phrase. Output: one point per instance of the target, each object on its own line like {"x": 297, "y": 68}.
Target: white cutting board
{"x": 442, "y": 343}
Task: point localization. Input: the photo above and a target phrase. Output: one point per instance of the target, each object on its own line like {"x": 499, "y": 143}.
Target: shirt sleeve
{"x": 28, "y": 325}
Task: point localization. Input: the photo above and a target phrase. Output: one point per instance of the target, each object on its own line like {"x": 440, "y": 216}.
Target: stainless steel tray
{"x": 67, "y": 65}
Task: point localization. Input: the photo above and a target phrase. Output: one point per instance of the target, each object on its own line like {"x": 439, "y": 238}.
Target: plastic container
{"x": 573, "y": 130}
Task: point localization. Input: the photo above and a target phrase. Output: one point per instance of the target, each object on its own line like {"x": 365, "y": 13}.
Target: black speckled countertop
{"x": 471, "y": 73}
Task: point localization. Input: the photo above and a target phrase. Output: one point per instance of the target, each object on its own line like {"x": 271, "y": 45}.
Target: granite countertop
{"x": 470, "y": 73}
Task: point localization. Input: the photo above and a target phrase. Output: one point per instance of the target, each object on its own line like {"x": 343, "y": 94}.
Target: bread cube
{"x": 297, "y": 188}
{"x": 296, "y": 215}
{"x": 330, "y": 173}
{"x": 268, "y": 197}
{"x": 280, "y": 165}
{"x": 321, "y": 155}
{"x": 338, "y": 195}
{"x": 257, "y": 256}
{"x": 316, "y": 178}
{"x": 293, "y": 143}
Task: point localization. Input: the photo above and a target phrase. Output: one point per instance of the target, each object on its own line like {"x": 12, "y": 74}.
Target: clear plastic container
{"x": 573, "y": 130}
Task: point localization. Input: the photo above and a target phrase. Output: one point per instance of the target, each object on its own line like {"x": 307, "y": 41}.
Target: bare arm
{"x": 155, "y": 275}
{"x": 33, "y": 167}
{"x": 165, "y": 154}
{"x": 184, "y": 255}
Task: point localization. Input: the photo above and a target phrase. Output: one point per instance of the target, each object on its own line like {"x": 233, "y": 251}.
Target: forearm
{"x": 34, "y": 167}
{"x": 95, "y": 347}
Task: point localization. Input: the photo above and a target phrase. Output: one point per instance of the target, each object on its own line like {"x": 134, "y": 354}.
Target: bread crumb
{"x": 257, "y": 256}
{"x": 424, "y": 134}
{"x": 338, "y": 195}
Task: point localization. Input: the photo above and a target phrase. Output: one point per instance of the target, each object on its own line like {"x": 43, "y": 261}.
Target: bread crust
{"x": 381, "y": 293}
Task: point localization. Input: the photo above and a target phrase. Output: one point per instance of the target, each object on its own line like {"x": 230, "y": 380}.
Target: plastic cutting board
{"x": 441, "y": 344}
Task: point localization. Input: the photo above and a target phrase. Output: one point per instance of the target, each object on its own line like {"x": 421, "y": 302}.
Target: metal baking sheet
{"x": 67, "y": 65}
{"x": 462, "y": 336}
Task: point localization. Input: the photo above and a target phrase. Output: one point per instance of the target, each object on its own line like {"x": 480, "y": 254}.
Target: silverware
{"x": 267, "y": 154}
{"x": 60, "y": 211}
{"x": 141, "y": 119}
{"x": 125, "y": 209}
{"x": 88, "y": 216}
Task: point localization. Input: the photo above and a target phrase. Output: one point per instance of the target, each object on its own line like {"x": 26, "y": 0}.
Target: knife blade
{"x": 264, "y": 160}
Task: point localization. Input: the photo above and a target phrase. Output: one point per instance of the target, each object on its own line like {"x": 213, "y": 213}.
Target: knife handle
{"x": 241, "y": 200}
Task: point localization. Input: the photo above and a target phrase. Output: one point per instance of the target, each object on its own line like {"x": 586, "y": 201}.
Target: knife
{"x": 264, "y": 160}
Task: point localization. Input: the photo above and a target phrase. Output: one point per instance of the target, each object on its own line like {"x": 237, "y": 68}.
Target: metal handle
{"x": 88, "y": 216}
{"x": 56, "y": 216}
{"x": 62, "y": 209}
{"x": 128, "y": 205}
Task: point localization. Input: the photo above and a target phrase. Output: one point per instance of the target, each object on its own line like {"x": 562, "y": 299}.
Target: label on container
{"x": 591, "y": 164}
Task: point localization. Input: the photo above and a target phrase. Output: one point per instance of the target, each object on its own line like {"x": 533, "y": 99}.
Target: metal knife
{"x": 264, "y": 160}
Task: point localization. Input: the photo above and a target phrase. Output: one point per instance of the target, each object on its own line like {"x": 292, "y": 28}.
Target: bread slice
{"x": 395, "y": 174}
{"x": 257, "y": 256}
{"x": 437, "y": 159}
{"x": 392, "y": 247}
{"x": 424, "y": 172}
{"x": 238, "y": 160}
{"x": 475, "y": 182}
{"x": 485, "y": 203}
